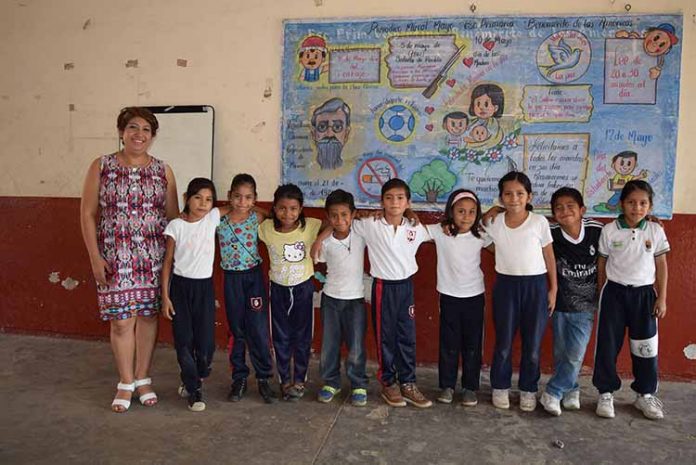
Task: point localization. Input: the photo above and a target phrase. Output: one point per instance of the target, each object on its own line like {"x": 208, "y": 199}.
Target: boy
{"x": 343, "y": 302}
{"x": 456, "y": 124}
{"x": 392, "y": 243}
{"x": 575, "y": 245}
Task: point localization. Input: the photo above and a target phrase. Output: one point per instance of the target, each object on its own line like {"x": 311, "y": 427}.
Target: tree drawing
{"x": 433, "y": 180}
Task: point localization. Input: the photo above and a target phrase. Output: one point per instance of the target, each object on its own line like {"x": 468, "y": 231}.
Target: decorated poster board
{"x": 583, "y": 101}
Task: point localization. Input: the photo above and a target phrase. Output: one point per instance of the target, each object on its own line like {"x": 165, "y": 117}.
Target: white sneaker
{"x": 605, "y": 405}
{"x": 550, "y": 404}
{"x": 528, "y": 401}
{"x": 501, "y": 398}
{"x": 571, "y": 401}
{"x": 650, "y": 405}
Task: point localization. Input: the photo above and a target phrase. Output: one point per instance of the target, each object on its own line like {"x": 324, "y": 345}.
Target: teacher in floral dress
{"x": 127, "y": 199}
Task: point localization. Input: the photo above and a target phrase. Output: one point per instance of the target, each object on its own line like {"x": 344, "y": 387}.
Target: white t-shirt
{"x": 345, "y": 261}
{"x": 459, "y": 262}
{"x": 518, "y": 250}
{"x": 392, "y": 253}
{"x": 631, "y": 253}
{"x": 195, "y": 245}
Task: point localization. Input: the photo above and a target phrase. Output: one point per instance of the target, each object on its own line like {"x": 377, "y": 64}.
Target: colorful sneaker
{"x": 327, "y": 393}
{"x": 469, "y": 398}
{"x": 446, "y": 396}
{"x": 392, "y": 396}
{"x": 551, "y": 404}
{"x": 196, "y": 402}
{"x": 358, "y": 397}
{"x": 528, "y": 401}
{"x": 237, "y": 390}
{"x": 650, "y": 405}
{"x": 571, "y": 401}
{"x": 605, "y": 405}
{"x": 266, "y": 392}
{"x": 501, "y": 398}
{"x": 413, "y": 396}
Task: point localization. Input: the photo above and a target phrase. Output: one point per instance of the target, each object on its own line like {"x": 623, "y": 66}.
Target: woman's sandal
{"x": 124, "y": 404}
{"x": 148, "y": 399}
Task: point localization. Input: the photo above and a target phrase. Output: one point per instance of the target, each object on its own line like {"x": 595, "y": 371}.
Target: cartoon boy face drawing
{"x": 313, "y": 58}
{"x": 657, "y": 42}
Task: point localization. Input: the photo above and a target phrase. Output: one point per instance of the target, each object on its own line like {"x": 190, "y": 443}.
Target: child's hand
{"x": 489, "y": 216}
{"x": 100, "y": 269}
{"x": 552, "y": 301}
{"x": 167, "y": 308}
{"x": 374, "y": 214}
{"x": 660, "y": 309}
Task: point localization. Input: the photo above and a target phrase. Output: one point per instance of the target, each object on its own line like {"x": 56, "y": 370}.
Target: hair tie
{"x": 464, "y": 195}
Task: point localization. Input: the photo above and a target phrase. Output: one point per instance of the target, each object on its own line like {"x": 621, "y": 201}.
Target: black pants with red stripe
{"x": 394, "y": 321}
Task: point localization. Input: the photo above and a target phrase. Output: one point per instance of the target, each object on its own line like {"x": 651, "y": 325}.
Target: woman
{"x": 127, "y": 199}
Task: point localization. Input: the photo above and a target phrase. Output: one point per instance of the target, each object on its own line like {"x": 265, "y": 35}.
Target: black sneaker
{"x": 195, "y": 401}
{"x": 266, "y": 392}
{"x": 237, "y": 390}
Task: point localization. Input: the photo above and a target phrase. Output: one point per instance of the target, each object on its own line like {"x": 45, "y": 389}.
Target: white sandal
{"x": 125, "y": 403}
{"x": 147, "y": 396}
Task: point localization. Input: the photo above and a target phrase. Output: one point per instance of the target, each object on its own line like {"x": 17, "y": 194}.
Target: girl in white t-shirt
{"x": 459, "y": 241}
{"x": 522, "y": 298}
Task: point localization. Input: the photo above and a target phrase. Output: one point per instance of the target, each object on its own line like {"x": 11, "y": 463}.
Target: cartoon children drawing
{"x": 456, "y": 124}
{"x": 657, "y": 42}
{"x": 487, "y": 104}
{"x": 623, "y": 164}
{"x": 313, "y": 58}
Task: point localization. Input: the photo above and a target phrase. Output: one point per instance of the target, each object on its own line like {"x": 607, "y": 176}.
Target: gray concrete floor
{"x": 56, "y": 393}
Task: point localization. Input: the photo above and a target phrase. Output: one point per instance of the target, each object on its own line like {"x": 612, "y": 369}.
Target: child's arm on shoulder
{"x": 315, "y": 251}
{"x": 550, "y": 261}
{"x": 167, "y": 306}
{"x": 660, "y": 309}
{"x": 491, "y": 214}
{"x": 261, "y": 213}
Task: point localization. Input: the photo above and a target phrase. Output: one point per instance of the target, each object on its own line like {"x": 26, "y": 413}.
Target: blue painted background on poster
{"x": 590, "y": 102}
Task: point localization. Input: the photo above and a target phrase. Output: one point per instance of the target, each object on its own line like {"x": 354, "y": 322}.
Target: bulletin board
{"x": 583, "y": 101}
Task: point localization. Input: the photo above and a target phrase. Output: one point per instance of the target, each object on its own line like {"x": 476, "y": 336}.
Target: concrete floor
{"x": 56, "y": 395}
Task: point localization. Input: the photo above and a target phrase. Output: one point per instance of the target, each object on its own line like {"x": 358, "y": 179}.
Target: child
{"x": 521, "y": 297}
{"x": 632, "y": 261}
{"x": 189, "y": 299}
{"x": 487, "y": 103}
{"x": 342, "y": 302}
{"x": 288, "y": 237}
{"x": 460, "y": 284}
{"x": 392, "y": 243}
{"x": 575, "y": 247}
{"x": 246, "y": 301}
{"x": 455, "y": 123}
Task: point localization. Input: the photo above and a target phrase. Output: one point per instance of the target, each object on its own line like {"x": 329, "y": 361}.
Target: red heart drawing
{"x": 488, "y": 45}
{"x": 468, "y": 61}
{"x": 429, "y": 127}
{"x": 451, "y": 82}
{"x": 429, "y": 110}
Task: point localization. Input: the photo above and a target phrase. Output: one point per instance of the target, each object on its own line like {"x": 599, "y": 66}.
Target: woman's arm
{"x": 167, "y": 306}
{"x": 550, "y": 261}
{"x": 89, "y": 212}
{"x": 660, "y": 309}
{"x": 171, "y": 205}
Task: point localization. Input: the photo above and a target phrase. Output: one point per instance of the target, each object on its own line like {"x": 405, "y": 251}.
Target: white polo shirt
{"x": 518, "y": 250}
{"x": 631, "y": 252}
{"x": 195, "y": 245}
{"x": 392, "y": 253}
{"x": 459, "y": 262}
{"x": 345, "y": 261}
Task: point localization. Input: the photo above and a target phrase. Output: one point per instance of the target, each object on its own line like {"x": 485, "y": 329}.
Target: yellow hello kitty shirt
{"x": 289, "y": 252}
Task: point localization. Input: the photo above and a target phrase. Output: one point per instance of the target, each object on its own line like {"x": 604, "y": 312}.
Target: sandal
{"x": 124, "y": 403}
{"x": 148, "y": 399}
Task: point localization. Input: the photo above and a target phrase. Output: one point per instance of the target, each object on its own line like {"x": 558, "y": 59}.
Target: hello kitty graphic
{"x": 294, "y": 252}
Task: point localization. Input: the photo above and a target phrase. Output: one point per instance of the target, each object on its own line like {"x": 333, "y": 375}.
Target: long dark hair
{"x": 195, "y": 186}
{"x": 288, "y": 191}
{"x": 520, "y": 177}
{"x": 637, "y": 185}
{"x": 242, "y": 179}
{"x": 448, "y": 222}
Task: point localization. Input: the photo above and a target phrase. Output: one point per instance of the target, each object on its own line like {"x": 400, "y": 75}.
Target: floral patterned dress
{"x": 130, "y": 236}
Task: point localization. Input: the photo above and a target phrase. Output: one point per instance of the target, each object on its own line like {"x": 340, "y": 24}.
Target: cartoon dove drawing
{"x": 563, "y": 57}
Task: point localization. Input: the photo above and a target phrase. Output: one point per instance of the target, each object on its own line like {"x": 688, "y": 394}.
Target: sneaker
{"x": 528, "y": 401}
{"x": 183, "y": 393}
{"x": 392, "y": 396}
{"x": 327, "y": 393}
{"x": 237, "y": 390}
{"x": 469, "y": 398}
{"x": 266, "y": 392}
{"x": 605, "y": 405}
{"x": 196, "y": 402}
{"x": 293, "y": 392}
{"x": 358, "y": 397}
{"x": 414, "y": 397}
{"x": 551, "y": 404}
{"x": 650, "y": 405}
{"x": 571, "y": 401}
{"x": 501, "y": 398}
{"x": 446, "y": 396}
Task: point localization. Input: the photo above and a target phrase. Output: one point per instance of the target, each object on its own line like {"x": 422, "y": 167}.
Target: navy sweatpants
{"x": 393, "y": 317}
{"x": 193, "y": 325}
{"x": 292, "y": 313}
{"x": 518, "y": 302}
{"x": 246, "y": 305}
{"x": 620, "y": 307}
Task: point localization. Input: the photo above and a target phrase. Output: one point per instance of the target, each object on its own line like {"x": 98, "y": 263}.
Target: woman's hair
{"x": 637, "y": 185}
{"x": 494, "y": 92}
{"x": 520, "y": 177}
{"x": 129, "y": 113}
{"x": 242, "y": 179}
{"x": 195, "y": 186}
{"x": 449, "y": 211}
{"x": 288, "y": 191}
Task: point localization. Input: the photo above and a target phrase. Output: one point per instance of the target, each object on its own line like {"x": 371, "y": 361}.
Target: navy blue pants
{"x": 620, "y": 307}
{"x": 246, "y": 305}
{"x": 193, "y": 325}
{"x": 393, "y": 317}
{"x": 519, "y": 302}
{"x": 461, "y": 334}
{"x": 292, "y": 313}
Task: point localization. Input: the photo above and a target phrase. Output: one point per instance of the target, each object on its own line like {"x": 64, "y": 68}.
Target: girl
{"x": 487, "y": 104}
{"x": 460, "y": 284}
{"x": 189, "y": 299}
{"x": 521, "y": 297}
{"x": 289, "y": 237}
{"x": 246, "y": 301}
{"x": 633, "y": 256}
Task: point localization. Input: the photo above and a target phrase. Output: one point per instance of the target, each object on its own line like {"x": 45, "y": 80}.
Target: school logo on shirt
{"x": 412, "y": 311}
{"x": 648, "y": 245}
{"x": 410, "y": 235}
{"x": 617, "y": 244}
{"x": 256, "y": 303}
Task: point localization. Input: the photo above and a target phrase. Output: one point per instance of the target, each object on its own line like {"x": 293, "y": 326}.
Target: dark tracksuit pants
{"x": 193, "y": 326}
{"x": 292, "y": 313}
{"x": 620, "y": 307}
{"x": 246, "y": 306}
{"x": 461, "y": 334}
{"x": 393, "y": 317}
